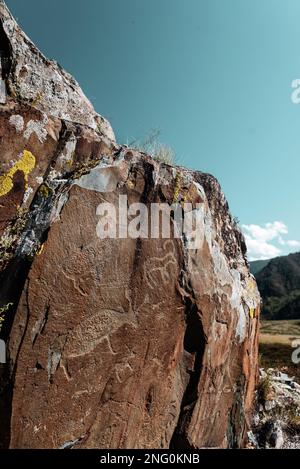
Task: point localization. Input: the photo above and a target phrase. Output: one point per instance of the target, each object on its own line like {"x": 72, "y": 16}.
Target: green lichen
{"x": 70, "y": 161}
{"x": 99, "y": 128}
{"x": 84, "y": 168}
{"x": 45, "y": 191}
{"x": 36, "y": 251}
{"x": 38, "y": 97}
{"x": 14, "y": 91}
{"x": 3, "y": 312}
{"x": 10, "y": 237}
{"x": 6, "y": 242}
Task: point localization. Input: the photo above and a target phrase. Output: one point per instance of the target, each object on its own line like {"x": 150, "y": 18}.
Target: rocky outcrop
{"x": 111, "y": 343}
{"x": 30, "y": 77}
{"x": 276, "y": 422}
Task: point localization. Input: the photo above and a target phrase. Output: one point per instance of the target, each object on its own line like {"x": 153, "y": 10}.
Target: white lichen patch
{"x": 66, "y": 157}
{"x": 195, "y": 227}
{"x": 54, "y": 175}
{"x": 37, "y": 128}
{"x": 27, "y": 194}
{"x": 99, "y": 180}
{"x": 27, "y": 248}
{"x": 58, "y": 207}
{"x": 2, "y": 92}
{"x": 161, "y": 176}
{"x": 221, "y": 269}
{"x": 241, "y": 328}
{"x": 36, "y": 429}
{"x": 187, "y": 178}
{"x": 236, "y": 296}
{"x": 200, "y": 190}
{"x": 17, "y": 122}
{"x": 103, "y": 179}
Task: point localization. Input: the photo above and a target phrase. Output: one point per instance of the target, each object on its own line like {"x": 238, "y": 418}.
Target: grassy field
{"x": 283, "y": 339}
{"x": 276, "y": 339}
{"x": 291, "y": 327}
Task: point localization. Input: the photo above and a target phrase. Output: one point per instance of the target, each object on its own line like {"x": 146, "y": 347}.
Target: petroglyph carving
{"x": 98, "y": 328}
{"x": 94, "y": 330}
{"x": 158, "y": 269}
{"x": 77, "y": 271}
{"x": 123, "y": 371}
{"x": 75, "y": 283}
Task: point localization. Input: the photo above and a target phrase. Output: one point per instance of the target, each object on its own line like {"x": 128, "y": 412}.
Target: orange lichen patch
{"x": 25, "y": 164}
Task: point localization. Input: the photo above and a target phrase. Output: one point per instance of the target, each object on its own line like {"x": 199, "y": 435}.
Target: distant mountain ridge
{"x": 257, "y": 266}
{"x": 279, "y": 284}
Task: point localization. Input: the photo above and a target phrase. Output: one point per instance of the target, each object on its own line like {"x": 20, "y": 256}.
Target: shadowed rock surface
{"x": 125, "y": 343}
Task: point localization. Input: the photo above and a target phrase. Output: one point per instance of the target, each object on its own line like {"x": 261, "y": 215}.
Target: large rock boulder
{"x": 132, "y": 342}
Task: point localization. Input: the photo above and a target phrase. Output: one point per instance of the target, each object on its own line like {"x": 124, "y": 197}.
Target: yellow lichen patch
{"x": 252, "y": 313}
{"x": 44, "y": 191}
{"x": 4, "y": 310}
{"x": 37, "y": 98}
{"x": 40, "y": 251}
{"x": 177, "y": 188}
{"x": 251, "y": 284}
{"x": 130, "y": 184}
{"x": 187, "y": 199}
{"x": 25, "y": 164}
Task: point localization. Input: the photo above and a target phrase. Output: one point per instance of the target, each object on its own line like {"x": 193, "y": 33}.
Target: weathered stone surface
{"x": 41, "y": 82}
{"x": 124, "y": 343}
{"x": 277, "y": 412}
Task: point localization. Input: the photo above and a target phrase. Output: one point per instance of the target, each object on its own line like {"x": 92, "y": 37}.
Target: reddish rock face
{"x": 23, "y": 129}
{"x": 114, "y": 343}
{"x": 104, "y": 352}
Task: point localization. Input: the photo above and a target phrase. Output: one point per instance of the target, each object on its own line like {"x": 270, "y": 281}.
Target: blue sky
{"x": 213, "y": 75}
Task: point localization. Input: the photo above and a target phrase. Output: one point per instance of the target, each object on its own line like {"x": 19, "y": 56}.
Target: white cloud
{"x": 268, "y": 232}
{"x": 293, "y": 244}
{"x": 265, "y": 242}
{"x": 260, "y": 249}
